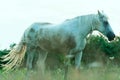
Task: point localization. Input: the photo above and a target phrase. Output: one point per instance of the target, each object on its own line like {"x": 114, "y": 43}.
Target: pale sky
{"x": 17, "y": 15}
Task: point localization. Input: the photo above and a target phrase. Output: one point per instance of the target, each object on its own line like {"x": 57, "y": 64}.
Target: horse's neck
{"x": 86, "y": 24}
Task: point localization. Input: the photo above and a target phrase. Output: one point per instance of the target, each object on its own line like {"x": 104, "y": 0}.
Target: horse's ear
{"x": 102, "y": 11}
{"x": 99, "y": 13}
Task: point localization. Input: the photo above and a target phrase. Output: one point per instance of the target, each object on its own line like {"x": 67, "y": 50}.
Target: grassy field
{"x": 111, "y": 73}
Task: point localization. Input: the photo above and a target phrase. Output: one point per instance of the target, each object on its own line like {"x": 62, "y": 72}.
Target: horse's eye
{"x": 105, "y": 23}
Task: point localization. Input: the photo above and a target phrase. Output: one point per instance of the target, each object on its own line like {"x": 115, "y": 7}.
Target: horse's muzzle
{"x": 110, "y": 36}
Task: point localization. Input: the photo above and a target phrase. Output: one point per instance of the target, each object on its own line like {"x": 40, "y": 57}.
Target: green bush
{"x": 99, "y": 48}
{"x": 3, "y": 52}
{"x": 99, "y": 42}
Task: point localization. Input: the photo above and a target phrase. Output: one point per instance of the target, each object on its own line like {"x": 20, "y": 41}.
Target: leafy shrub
{"x": 99, "y": 47}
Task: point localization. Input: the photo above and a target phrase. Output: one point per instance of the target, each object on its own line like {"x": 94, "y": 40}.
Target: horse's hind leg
{"x": 29, "y": 62}
{"x": 30, "y": 56}
{"x": 35, "y": 59}
{"x": 41, "y": 61}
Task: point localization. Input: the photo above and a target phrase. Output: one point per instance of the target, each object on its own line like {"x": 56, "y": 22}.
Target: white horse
{"x": 67, "y": 37}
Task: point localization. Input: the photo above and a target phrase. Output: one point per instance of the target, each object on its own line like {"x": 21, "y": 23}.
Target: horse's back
{"x": 37, "y": 26}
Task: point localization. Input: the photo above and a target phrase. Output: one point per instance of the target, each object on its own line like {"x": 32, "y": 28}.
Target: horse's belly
{"x": 56, "y": 46}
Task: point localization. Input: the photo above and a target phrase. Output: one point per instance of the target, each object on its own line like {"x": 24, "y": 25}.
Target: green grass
{"x": 84, "y": 74}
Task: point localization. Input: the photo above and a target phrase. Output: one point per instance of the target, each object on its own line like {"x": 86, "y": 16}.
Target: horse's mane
{"x": 85, "y": 19}
{"x": 88, "y": 17}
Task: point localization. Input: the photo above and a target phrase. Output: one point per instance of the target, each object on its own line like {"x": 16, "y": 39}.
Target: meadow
{"x": 105, "y": 73}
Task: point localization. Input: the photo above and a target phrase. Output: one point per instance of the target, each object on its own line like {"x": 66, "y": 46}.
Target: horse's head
{"x": 104, "y": 26}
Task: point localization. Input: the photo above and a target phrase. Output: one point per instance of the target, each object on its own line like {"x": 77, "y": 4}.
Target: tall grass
{"x": 105, "y": 73}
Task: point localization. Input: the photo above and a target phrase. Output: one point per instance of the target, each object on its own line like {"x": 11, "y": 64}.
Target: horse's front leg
{"x": 78, "y": 58}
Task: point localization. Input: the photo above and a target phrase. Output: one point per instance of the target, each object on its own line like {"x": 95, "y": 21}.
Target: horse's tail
{"x": 14, "y": 58}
